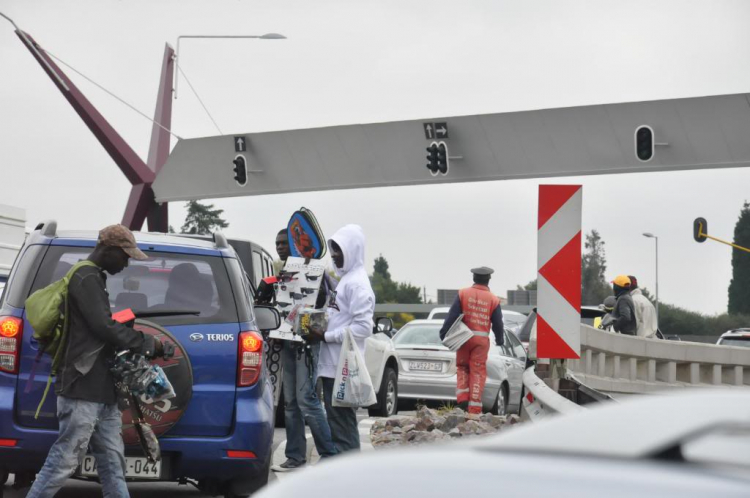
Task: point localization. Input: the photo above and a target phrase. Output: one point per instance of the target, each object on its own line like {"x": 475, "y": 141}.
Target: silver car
{"x": 427, "y": 369}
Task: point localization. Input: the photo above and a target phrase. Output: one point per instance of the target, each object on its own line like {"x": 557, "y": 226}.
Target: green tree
{"x": 202, "y": 219}
{"x": 528, "y": 287}
{"x": 388, "y": 291}
{"x": 739, "y": 287}
{"x": 594, "y": 287}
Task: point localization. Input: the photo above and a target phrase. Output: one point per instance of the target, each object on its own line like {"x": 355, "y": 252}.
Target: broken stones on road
{"x": 430, "y": 426}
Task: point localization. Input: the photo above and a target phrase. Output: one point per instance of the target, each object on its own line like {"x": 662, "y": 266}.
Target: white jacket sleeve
{"x": 361, "y": 309}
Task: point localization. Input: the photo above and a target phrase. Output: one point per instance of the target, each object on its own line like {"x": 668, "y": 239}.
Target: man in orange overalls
{"x": 481, "y": 310}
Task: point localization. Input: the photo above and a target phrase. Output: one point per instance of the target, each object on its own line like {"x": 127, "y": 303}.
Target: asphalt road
{"x": 82, "y": 489}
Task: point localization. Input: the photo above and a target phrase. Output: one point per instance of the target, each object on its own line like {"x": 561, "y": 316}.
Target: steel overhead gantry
{"x": 661, "y": 135}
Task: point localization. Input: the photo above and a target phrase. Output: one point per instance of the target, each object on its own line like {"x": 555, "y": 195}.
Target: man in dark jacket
{"x": 86, "y": 399}
{"x": 624, "y": 312}
{"x": 301, "y": 403}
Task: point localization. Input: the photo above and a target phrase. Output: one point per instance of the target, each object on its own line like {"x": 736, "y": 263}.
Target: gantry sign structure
{"x": 662, "y": 135}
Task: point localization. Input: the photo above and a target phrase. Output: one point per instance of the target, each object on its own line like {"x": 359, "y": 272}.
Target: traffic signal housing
{"x": 644, "y": 143}
{"x": 240, "y": 170}
{"x": 437, "y": 158}
{"x": 700, "y": 229}
{"x": 432, "y": 159}
{"x": 443, "y": 162}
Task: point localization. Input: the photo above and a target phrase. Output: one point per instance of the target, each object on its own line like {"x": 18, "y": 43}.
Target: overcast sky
{"x": 366, "y": 61}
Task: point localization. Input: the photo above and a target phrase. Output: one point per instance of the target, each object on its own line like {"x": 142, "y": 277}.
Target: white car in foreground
{"x": 688, "y": 445}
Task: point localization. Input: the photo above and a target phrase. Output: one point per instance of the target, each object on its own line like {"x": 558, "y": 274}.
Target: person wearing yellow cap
{"x": 624, "y": 311}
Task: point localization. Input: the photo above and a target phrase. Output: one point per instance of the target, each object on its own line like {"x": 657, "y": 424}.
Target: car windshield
{"x": 418, "y": 335}
{"x": 440, "y": 316}
{"x": 743, "y": 342}
{"x": 163, "y": 282}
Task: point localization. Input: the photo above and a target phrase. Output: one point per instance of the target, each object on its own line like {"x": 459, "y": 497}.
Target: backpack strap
{"x": 66, "y": 325}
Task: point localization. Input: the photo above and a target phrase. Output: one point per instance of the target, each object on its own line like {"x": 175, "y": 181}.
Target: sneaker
{"x": 288, "y": 466}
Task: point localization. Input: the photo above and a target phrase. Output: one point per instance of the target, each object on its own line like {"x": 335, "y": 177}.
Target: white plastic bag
{"x": 352, "y": 387}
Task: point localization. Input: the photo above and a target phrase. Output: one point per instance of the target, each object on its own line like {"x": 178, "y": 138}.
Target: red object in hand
{"x": 123, "y": 316}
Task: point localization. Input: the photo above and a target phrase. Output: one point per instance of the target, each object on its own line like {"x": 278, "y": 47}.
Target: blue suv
{"x": 218, "y": 430}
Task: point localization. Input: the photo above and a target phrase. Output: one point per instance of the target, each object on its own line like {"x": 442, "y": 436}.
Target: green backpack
{"x": 47, "y": 313}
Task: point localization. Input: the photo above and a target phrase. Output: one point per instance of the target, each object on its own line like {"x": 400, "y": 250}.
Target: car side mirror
{"x": 384, "y": 325}
{"x": 267, "y": 318}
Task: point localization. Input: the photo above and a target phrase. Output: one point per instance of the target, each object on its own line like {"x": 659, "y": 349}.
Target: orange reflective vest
{"x": 477, "y": 305}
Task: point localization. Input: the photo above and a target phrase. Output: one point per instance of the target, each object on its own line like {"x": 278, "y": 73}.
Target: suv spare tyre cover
{"x": 166, "y": 413}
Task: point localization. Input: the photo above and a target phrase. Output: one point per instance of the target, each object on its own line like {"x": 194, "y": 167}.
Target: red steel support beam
{"x": 141, "y": 204}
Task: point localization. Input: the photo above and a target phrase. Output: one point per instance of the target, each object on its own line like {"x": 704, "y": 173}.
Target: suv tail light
{"x": 250, "y": 358}
{"x": 11, "y": 331}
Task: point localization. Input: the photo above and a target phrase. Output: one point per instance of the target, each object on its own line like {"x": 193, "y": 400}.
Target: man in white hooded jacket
{"x": 351, "y": 307}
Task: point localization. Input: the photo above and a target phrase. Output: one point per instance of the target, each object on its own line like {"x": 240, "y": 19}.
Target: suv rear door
{"x": 173, "y": 278}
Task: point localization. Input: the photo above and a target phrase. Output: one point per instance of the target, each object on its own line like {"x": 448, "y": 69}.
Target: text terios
{"x": 220, "y": 337}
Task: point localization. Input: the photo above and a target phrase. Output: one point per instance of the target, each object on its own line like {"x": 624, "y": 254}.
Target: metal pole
{"x": 657, "y": 281}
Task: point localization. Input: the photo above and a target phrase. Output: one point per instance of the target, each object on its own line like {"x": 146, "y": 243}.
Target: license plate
{"x": 134, "y": 467}
{"x": 429, "y": 366}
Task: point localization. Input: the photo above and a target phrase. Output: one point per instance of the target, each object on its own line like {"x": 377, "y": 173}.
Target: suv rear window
{"x": 735, "y": 341}
{"x": 165, "y": 281}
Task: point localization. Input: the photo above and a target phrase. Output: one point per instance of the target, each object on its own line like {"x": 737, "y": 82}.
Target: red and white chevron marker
{"x": 559, "y": 272}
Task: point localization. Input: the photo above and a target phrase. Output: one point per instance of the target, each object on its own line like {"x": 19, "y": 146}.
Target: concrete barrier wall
{"x": 617, "y": 363}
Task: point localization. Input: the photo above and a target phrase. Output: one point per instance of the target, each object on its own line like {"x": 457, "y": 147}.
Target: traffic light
{"x": 240, "y": 170}
{"x": 644, "y": 143}
{"x": 432, "y": 159}
{"x": 700, "y": 229}
{"x": 442, "y": 158}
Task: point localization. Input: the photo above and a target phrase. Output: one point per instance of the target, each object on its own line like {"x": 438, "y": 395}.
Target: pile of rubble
{"x": 430, "y": 425}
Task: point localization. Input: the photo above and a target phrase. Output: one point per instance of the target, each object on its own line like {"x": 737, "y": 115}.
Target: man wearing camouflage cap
{"x": 86, "y": 400}
{"x": 481, "y": 311}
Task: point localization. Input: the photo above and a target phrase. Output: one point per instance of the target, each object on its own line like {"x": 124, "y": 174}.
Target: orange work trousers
{"x": 471, "y": 370}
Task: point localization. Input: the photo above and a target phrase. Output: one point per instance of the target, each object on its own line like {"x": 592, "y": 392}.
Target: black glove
{"x": 168, "y": 350}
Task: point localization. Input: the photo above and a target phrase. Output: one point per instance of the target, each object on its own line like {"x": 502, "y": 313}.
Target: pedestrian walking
{"x": 351, "y": 306}
{"x": 624, "y": 312}
{"x": 87, "y": 409}
{"x": 645, "y": 312}
{"x": 301, "y": 402}
{"x": 482, "y": 312}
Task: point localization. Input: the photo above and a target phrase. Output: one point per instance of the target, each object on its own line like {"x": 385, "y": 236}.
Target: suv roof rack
{"x": 220, "y": 241}
{"x": 48, "y": 228}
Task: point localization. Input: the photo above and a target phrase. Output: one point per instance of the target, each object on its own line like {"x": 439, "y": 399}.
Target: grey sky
{"x": 369, "y": 61}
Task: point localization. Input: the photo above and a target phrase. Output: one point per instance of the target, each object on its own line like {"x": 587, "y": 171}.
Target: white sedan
{"x": 427, "y": 369}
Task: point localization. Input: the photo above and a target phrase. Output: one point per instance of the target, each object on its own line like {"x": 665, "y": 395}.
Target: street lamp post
{"x": 656, "y": 239}
{"x": 267, "y": 36}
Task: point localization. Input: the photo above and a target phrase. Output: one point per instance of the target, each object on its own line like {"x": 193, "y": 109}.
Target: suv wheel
{"x": 387, "y": 396}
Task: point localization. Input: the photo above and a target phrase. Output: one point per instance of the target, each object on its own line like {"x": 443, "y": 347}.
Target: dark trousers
{"x": 342, "y": 420}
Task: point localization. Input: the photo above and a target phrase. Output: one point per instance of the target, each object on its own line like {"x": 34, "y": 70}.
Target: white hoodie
{"x": 354, "y": 302}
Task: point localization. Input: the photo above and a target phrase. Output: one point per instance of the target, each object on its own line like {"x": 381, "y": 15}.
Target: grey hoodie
{"x": 353, "y": 302}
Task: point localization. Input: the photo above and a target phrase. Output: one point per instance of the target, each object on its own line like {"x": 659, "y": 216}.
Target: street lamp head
{"x": 273, "y": 36}
{"x": 649, "y": 235}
